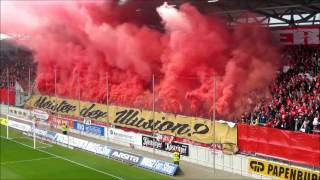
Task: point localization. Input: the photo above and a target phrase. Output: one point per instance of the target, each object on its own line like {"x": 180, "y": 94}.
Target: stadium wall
{"x": 291, "y": 146}
{"x": 204, "y": 156}
{"x": 237, "y": 163}
{"x": 269, "y": 142}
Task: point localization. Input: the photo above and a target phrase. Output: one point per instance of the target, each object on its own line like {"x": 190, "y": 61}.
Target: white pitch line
{"x": 27, "y": 160}
{"x": 79, "y": 164}
{"x": 39, "y": 141}
{"x": 30, "y": 138}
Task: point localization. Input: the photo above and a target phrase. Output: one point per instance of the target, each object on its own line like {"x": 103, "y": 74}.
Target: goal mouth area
{"x": 24, "y": 131}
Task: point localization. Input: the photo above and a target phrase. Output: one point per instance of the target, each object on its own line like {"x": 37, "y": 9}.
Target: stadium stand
{"x": 279, "y": 134}
{"x": 18, "y": 60}
{"x": 295, "y": 102}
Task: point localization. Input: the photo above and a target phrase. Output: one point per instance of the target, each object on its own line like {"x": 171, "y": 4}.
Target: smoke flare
{"x": 88, "y": 42}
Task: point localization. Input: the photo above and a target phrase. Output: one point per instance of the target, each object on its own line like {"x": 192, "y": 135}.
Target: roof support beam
{"x": 275, "y": 16}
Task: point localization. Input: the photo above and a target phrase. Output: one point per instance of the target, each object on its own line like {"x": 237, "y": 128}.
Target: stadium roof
{"x": 270, "y": 12}
{"x": 285, "y": 12}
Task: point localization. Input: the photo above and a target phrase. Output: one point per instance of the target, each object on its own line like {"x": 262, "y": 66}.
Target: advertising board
{"x": 19, "y": 112}
{"x": 60, "y": 120}
{"x": 19, "y": 126}
{"x": 126, "y": 157}
{"x": 98, "y": 149}
{"x": 147, "y": 163}
{"x": 90, "y": 129}
{"x": 165, "y": 167}
{"x": 42, "y": 115}
{"x": 122, "y": 136}
{"x": 281, "y": 171}
{"x": 165, "y": 146}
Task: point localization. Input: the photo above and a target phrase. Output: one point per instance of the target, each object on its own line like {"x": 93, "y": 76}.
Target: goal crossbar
{"x": 16, "y": 119}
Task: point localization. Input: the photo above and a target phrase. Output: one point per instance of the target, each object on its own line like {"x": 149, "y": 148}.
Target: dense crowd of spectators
{"x": 295, "y": 102}
{"x": 15, "y": 63}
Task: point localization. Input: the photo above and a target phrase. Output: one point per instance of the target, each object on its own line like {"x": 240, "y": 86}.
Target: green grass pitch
{"x": 55, "y": 162}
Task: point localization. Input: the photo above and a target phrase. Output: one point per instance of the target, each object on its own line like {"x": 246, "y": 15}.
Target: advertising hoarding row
{"x": 27, "y": 114}
{"x": 158, "y": 166}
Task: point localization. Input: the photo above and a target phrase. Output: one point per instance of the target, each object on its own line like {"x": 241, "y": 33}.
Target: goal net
{"x": 24, "y": 131}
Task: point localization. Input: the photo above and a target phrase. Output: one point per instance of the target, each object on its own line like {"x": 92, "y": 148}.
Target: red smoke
{"x": 87, "y": 42}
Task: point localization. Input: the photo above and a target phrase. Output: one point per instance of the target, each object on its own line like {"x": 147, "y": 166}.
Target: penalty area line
{"x": 27, "y": 160}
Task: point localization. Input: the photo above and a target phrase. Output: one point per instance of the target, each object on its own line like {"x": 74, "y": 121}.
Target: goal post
{"x": 7, "y": 126}
{"x": 21, "y": 130}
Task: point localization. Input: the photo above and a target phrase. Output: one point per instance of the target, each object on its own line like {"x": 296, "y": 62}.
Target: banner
{"x": 164, "y": 138}
{"x": 195, "y": 129}
{"x": 60, "y": 121}
{"x": 19, "y": 112}
{"x": 301, "y": 35}
{"x": 90, "y": 129}
{"x": 125, "y": 157}
{"x": 169, "y": 147}
{"x": 281, "y": 171}
{"x": 288, "y": 145}
{"x": 68, "y": 107}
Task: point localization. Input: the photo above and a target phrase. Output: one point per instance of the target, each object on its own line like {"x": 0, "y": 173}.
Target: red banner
{"x": 303, "y": 35}
{"x": 55, "y": 120}
{"x": 292, "y": 146}
{"x": 4, "y": 96}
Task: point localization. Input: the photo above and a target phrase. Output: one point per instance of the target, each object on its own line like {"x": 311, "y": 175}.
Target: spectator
{"x": 295, "y": 93}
